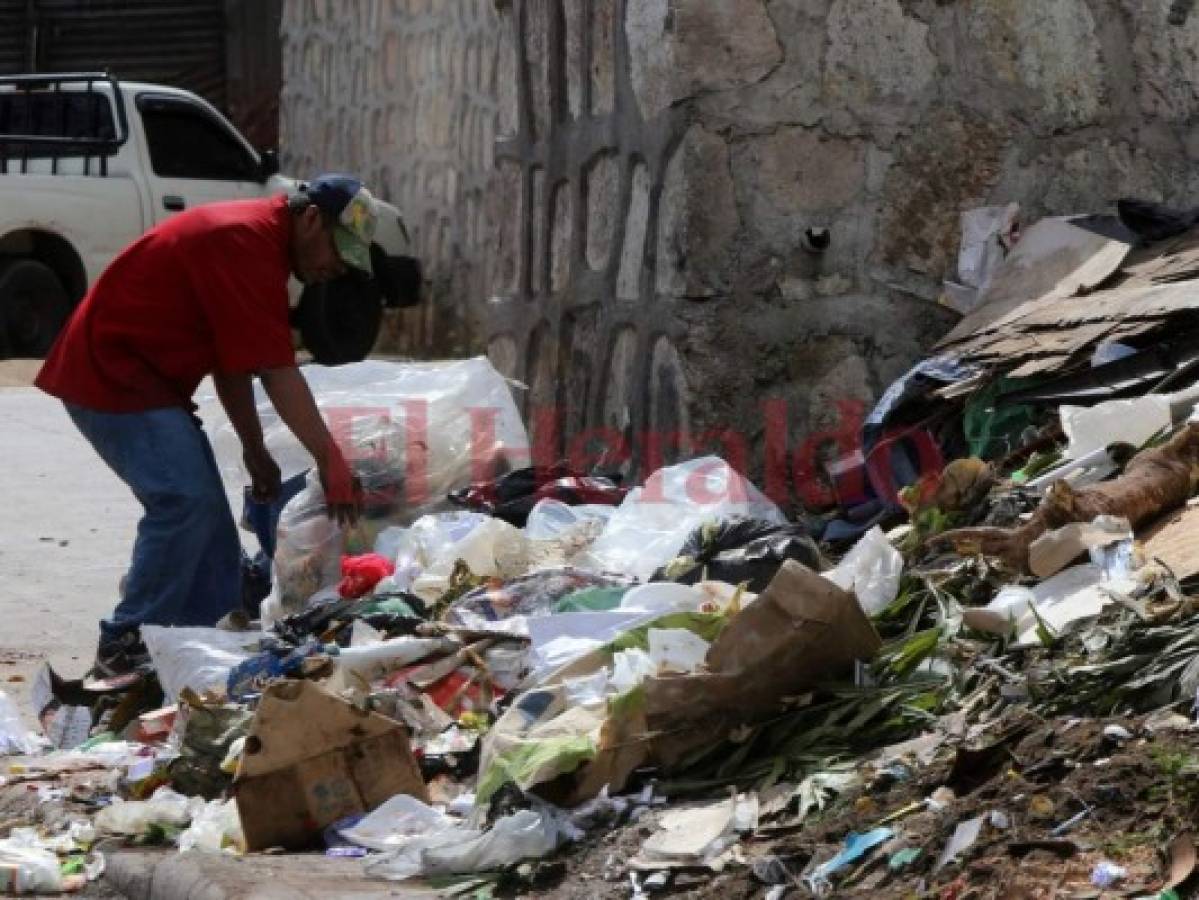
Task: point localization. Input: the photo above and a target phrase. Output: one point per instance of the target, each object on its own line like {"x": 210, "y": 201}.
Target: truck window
{"x": 78, "y": 115}
{"x": 186, "y": 142}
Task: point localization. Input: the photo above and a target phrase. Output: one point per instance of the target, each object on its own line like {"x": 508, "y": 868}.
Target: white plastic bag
{"x": 488, "y": 547}
{"x": 134, "y": 817}
{"x": 871, "y": 570}
{"x": 216, "y": 828}
{"x": 14, "y": 736}
{"x": 395, "y": 823}
{"x": 27, "y": 868}
{"x": 198, "y": 658}
{"x": 649, "y": 528}
{"x": 526, "y": 834}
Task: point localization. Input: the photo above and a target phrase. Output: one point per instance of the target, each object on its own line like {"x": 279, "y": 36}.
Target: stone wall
{"x": 403, "y": 92}
{"x": 635, "y": 253}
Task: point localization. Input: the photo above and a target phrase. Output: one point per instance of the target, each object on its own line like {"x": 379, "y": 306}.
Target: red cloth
{"x": 204, "y": 292}
{"x": 360, "y": 574}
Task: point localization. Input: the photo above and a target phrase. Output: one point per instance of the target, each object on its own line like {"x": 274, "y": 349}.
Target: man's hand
{"x": 343, "y": 492}
{"x": 265, "y": 477}
{"x": 293, "y": 401}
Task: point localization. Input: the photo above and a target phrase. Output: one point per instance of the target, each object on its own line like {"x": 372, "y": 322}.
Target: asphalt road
{"x": 66, "y": 528}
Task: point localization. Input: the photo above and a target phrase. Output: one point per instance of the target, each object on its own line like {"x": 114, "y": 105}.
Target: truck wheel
{"x": 34, "y": 306}
{"x": 339, "y": 320}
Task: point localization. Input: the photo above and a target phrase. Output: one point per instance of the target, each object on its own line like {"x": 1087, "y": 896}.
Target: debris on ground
{"x": 536, "y": 680}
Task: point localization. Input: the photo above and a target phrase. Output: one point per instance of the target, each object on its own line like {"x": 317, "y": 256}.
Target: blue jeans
{"x": 186, "y": 567}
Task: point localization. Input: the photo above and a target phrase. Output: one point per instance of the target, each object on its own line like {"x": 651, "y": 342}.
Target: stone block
{"x": 678, "y": 50}
{"x": 604, "y": 22}
{"x": 561, "y": 235}
{"x": 636, "y": 226}
{"x": 697, "y": 217}
{"x": 876, "y": 53}
{"x": 602, "y": 186}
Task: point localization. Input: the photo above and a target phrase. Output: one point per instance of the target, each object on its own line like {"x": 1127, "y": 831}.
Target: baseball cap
{"x": 354, "y": 212}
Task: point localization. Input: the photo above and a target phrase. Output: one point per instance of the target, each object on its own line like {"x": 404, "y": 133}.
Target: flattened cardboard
{"x": 312, "y": 758}
{"x": 801, "y": 630}
{"x": 1174, "y": 539}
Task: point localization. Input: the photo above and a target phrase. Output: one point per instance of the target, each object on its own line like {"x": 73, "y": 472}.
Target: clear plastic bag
{"x": 196, "y": 658}
{"x": 307, "y": 552}
{"x": 26, "y": 867}
{"x": 527, "y": 834}
{"x": 396, "y": 822}
{"x": 494, "y": 548}
{"x": 216, "y": 828}
{"x": 552, "y": 519}
{"x": 649, "y": 528}
{"x": 14, "y": 736}
{"x": 436, "y": 421}
{"x": 134, "y": 817}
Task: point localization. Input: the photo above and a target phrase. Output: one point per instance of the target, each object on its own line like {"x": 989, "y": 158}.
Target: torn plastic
{"x": 649, "y": 528}
{"x": 871, "y": 571}
{"x": 196, "y": 658}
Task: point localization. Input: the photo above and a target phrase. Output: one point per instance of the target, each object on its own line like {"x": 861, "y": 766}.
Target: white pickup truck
{"x": 88, "y": 163}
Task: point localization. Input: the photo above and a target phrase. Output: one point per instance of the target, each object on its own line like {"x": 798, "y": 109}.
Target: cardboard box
{"x": 311, "y": 758}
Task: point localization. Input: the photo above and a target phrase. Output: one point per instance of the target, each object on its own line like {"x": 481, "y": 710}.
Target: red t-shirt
{"x": 204, "y": 292}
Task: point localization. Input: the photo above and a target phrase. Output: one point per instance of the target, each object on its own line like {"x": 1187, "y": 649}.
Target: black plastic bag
{"x": 1154, "y": 221}
{"x": 741, "y": 550}
{"x": 511, "y": 497}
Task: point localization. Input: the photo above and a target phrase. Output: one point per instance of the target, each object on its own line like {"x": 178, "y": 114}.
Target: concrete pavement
{"x": 66, "y": 526}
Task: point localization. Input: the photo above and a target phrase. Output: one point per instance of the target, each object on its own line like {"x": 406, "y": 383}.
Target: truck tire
{"x": 339, "y": 321}
{"x": 34, "y": 306}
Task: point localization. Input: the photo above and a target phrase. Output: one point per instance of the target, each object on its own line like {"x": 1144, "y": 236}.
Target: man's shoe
{"x": 119, "y": 656}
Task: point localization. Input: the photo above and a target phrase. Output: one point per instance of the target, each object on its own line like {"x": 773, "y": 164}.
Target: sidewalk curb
{"x": 163, "y": 874}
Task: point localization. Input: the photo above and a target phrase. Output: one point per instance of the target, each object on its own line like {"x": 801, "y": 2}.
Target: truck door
{"x": 195, "y": 156}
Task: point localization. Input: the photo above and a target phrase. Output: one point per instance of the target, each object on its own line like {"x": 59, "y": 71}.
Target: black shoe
{"x": 120, "y": 656}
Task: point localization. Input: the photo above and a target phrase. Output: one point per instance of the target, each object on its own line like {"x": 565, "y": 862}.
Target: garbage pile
{"x": 978, "y": 668}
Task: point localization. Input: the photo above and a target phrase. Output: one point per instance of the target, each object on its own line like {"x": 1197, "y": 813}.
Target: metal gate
{"x": 199, "y": 45}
